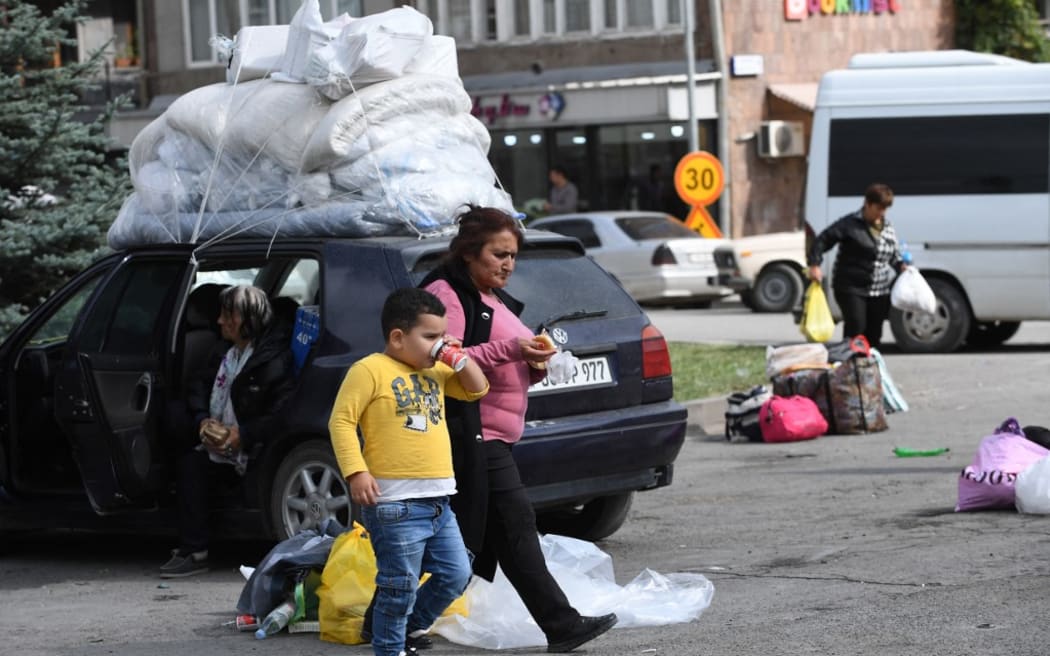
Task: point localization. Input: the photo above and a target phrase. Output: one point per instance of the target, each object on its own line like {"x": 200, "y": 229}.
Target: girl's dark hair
{"x": 252, "y": 305}
{"x": 476, "y": 227}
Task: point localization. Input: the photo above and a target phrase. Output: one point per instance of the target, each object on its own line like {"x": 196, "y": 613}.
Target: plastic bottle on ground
{"x": 276, "y": 620}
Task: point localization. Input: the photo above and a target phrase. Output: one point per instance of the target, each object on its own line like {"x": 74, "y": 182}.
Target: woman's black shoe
{"x": 584, "y": 630}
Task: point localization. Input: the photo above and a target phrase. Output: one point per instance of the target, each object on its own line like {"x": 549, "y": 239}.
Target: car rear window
{"x": 557, "y": 282}
{"x": 640, "y": 228}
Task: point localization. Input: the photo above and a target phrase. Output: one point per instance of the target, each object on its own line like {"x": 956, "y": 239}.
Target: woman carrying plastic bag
{"x": 816, "y": 324}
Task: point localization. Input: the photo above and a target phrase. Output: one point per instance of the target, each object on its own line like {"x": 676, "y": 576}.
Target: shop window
{"x": 941, "y": 155}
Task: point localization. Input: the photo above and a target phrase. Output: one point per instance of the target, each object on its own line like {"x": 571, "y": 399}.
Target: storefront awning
{"x": 801, "y": 94}
{"x": 617, "y": 75}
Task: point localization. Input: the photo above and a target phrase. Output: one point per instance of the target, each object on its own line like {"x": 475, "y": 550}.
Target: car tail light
{"x": 656, "y": 359}
{"x": 663, "y": 256}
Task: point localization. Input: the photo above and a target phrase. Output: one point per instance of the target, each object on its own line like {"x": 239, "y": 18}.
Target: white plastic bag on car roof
{"x": 498, "y": 619}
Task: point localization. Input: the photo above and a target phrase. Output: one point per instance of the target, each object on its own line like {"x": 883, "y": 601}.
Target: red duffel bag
{"x": 790, "y": 419}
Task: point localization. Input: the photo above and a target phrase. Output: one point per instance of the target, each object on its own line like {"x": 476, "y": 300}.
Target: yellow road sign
{"x": 699, "y": 178}
{"x": 700, "y": 219}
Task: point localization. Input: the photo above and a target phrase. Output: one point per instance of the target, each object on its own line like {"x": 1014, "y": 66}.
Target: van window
{"x": 941, "y": 155}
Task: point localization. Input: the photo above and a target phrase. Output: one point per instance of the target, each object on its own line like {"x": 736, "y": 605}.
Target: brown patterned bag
{"x": 849, "y": 396}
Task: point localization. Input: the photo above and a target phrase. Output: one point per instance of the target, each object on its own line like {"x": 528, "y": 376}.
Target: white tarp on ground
{"x": 399, "y": 153}
{"x": 498, "y": 618}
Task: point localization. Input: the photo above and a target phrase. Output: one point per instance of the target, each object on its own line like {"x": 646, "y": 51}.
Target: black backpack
{"x": 742, "y": 414}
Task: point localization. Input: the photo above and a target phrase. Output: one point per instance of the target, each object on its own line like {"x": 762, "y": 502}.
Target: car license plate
{"x": 701, "y": 258}
{"x": 589, "y": 372}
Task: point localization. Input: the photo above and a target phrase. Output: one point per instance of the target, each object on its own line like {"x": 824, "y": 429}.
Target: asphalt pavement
{"x": 833, "y": 546}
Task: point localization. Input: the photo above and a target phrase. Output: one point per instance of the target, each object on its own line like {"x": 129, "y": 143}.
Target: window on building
{"x": 674, "y": 12}
{"x": 459, "y": 24}
{"x": 550, "y": 17}
{"x": 612, "y": 14}
{"x": 576, "y": 18}
{"x": 639, "y": 14}
{"x": 522, "y": 22}
{"x": 206, "y": 18}
{"x": 577, "y": 15}
{"x": 941, "y": 155}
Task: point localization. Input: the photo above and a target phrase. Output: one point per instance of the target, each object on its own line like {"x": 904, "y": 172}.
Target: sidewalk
{"x": 706, "y": 415}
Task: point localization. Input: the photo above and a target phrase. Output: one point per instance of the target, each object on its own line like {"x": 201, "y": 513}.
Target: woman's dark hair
{"x": 879, "y": 194}
{"x": 404, "y": 305}
{"x": 252, "y": 305}
{"x": 476, "y": 227}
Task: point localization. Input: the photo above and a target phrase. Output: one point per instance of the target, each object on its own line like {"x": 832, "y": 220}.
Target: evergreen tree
{"x": 1004, "y": 27}
{"x": 58, "y": 194}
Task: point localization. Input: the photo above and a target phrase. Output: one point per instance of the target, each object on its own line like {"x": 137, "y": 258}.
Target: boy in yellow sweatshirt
{"x": 402, "y": 476}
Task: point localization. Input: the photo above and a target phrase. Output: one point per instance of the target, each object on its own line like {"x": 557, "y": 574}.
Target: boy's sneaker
{"x": 184, "y": 564}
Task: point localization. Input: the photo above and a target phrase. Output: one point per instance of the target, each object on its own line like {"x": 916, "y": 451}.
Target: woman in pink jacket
{"x": 496, "y": 516}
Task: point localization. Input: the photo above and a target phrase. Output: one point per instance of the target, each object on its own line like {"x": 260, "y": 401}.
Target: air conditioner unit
{"x": 781, "y": 139}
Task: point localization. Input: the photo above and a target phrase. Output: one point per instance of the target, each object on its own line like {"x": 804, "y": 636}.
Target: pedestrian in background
{"x": 867, "y": 263}
{"x": 564, "y": 197}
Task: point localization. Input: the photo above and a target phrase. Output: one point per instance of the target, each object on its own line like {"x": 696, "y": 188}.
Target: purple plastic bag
{"x": 988, "y": 481}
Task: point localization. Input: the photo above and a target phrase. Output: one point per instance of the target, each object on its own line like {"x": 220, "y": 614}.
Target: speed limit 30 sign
{"x": 699, "y": 179}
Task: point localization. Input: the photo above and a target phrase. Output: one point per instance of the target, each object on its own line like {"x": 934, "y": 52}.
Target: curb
{"x": 706, "y": 415}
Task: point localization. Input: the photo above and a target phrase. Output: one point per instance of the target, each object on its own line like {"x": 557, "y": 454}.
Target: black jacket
{"x": 470, "y": 503}
{"x": 260, "y": 390}
{"x": 855, "y": 263}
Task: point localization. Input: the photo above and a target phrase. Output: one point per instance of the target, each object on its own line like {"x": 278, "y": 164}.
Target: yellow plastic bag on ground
{"x": 347, "y": 586}
{"x": 816, "y": 324}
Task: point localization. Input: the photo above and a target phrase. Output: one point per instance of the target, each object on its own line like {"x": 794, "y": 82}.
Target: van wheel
{"x": 598, "y": 518}
{"x": 307, "y": 490}
{"x": 777, "y": 289}
{"x": 991, "y": 333}
{"x": 940, "y": 332}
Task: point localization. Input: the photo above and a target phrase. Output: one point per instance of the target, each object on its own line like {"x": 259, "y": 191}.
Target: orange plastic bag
{"x": 347, "y": 586}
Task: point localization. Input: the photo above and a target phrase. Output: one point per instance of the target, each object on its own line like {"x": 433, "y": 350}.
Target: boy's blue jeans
{"x": 410, "y": 537}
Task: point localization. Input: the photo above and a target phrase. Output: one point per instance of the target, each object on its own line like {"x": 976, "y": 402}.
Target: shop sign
{"x": 800, "y": 9}
{"x": 505, "y": 108}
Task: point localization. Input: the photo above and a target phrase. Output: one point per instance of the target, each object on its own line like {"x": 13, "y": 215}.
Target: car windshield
{"x": 556, "y": 282}
{"x": 654, "y": 226}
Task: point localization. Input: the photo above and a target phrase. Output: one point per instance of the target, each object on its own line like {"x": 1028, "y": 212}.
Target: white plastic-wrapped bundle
{"x": 256, "y": 51}
{"x": 266, "y": 158}
{"x": 257, "y": 117}
{"x": 348, "y": 119}
{"x": 371, "y": 49}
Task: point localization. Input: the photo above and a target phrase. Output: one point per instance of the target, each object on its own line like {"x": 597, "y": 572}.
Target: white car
{"x": 656, "y": 258}
{"x": 771, "y": 270}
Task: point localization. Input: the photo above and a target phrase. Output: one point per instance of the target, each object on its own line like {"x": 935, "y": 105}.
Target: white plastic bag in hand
{"x": 912, "y": 293}
{"x": 561, "y": 367}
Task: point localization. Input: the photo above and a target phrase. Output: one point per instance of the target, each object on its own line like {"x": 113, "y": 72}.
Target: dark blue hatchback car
{"x": 85, "y": 382}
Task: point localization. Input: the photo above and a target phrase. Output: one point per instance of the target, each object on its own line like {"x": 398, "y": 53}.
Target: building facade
{"x": 598, "y": 87}
{"x": 776, "y": 53}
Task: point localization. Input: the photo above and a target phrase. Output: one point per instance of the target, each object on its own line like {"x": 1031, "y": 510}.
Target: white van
{"x": 963, "y": 139}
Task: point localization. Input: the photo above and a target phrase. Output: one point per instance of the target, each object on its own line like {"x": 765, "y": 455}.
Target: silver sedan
{"x": 656, "y": 258}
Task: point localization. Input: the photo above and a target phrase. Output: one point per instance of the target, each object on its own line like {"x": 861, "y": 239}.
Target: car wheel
{"x": 598, "y": 518}
{"x": 992, "y": 333}
{"x": 307, "y": 490}
{"x": 940, "y": 332}
{"x": 777, "y": 289}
